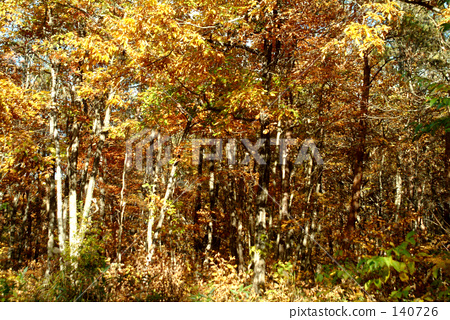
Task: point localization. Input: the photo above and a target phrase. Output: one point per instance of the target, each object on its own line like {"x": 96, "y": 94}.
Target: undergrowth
{"x": 406, "y": 272}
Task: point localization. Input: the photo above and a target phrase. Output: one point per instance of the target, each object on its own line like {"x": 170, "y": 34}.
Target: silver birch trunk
{"x": 73, "y": 160}
{"x": 398, "y": 190}
{"x": 55, "y": 183}
{"x": 59, "y": 199}
{"x": 122, "y": 210}
{"x": 101, "y": 130}
{"x": 210, "y": 227}
{"x": 169, "y": 190}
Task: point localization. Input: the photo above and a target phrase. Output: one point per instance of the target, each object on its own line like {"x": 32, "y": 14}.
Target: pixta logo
{"x": 154, "y": 142}
{"x": 151, "y": 141}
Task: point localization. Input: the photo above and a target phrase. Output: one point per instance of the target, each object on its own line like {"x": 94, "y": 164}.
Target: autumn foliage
{"x": 108, "y": 186}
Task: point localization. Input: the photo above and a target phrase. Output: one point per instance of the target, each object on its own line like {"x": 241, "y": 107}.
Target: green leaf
{"x": 388, "y": 274}
{"x": 319, "y": 277}
{"x": 378, "y": 283}
{"x": 398, "y": 266}
{"x": 388, "y": 261}
{"x": 405, "y": 291}
{"x": 411, "y": 267}
{"x": 410, "y": 237}
{"x": 395, "y": 294}
{"x": 445, "y": 27}
{"x": 435, "y": 272}
{"x": 433, "y": 101}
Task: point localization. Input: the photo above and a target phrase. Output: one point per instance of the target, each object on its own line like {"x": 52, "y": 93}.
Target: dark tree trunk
{"x": 259, "y": 262}
{"x": 285, "y": 176}
{"x": 198, "y": 204}
{"x": 358, "y": 156}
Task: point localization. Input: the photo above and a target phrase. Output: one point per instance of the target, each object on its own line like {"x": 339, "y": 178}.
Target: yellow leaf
{"x": 404, "y": 277}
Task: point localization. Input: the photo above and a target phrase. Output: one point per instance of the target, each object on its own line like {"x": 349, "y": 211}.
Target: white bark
{"x": 59, "y": 200}
{"x": 56, "y": 185}
{"x": 169, "y": 190}
{"x": 101, "y": 130}
{"x": 398, "y": 191}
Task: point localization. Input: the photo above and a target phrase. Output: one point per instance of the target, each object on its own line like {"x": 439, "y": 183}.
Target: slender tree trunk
{"x": 249, "y": 200}
{"x": 23, "y": 237}
{"x": 259, "y": 262}
{"x": 168, "y": 194}
{"x": 398, "y": 189}
{"x": 305, "y": 246}
{"x": 123, "y": 205}
{"x": 212, "y": 207}
{"x": 380, "y": 199}
{"x": 214, "y": 200}
{"x": 101, "y": 129}
{"x": 102, "y": 202}
{"x": 447, "y": 180}
{"x": 239, "y": 213}
{"x": 198, "y": 203}
{"x": 236, "y": 245}
{"x": 50, "y": 206}
{"x": 12, "y": 251}
{"x": 285, "y": 176}
{"x": 153, "y": 171}
{"x": 29, "y": 222}
{"x": 271, "y": 54}
{"x": 59, "y": 198}
{"x": 162, "y": 213}
{"x": 72, "y": 156}
{"x": 235, "y": 197}
{"x": 358, "y": 156}
{"x": 240, "y": 244}
{"x": 53, "y": 203}
{"x": 72, "y": 171}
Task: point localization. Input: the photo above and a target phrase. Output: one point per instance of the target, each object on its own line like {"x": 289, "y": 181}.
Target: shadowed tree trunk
{"x": 259, "y": 262}
{"x": 285, "y": 176}
{"x": 359, "y": 151}
{"x": 53, "y": 203}
{"x": 198, "y": 203}
{"x": 212, "y": 204}
{"x": 236, "y": 245}
{"x": 168, "y": 194}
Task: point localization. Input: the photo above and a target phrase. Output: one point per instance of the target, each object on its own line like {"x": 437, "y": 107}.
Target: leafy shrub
{"x": 383, "y": 272}
{"x": 403, "y": 273}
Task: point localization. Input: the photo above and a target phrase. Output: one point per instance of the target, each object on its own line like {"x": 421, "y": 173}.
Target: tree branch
{"x": 231, "y": 46}
{"x": 424, "y": 4}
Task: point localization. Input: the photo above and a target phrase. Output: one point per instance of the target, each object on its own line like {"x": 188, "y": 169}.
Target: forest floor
{"x": 407, "y": 272}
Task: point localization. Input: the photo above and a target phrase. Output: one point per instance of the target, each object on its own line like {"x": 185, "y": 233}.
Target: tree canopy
{"x": 228, "y": 150}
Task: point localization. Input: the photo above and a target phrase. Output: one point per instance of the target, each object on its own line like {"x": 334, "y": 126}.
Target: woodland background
{"x": 367, "y": 81}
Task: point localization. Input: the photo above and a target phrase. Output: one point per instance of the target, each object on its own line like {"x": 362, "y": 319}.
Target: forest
{"x": 226, "y": 150}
